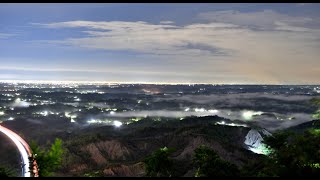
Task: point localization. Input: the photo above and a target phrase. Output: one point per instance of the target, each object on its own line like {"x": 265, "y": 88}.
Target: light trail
{"x": 24, "y": 150}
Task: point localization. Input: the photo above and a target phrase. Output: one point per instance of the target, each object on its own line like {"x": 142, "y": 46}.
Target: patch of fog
{"x": 273, "y": 124}
{"x": 268, "y": 122}
{"x": 234, "y": 98}
{"x": 100, "y": 105}
{"x": 75, "y": 104}
{"x": 34, "y": 121}
{"x": 161, "y": 113}
{"x": 19, "y": 103}
{"x": 288, "y": 97}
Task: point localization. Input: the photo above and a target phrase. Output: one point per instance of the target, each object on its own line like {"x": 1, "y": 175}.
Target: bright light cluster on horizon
{"x": 67, "y": 82}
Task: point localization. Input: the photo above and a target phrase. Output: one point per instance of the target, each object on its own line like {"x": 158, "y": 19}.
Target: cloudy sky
{"x": 166, "y": 43}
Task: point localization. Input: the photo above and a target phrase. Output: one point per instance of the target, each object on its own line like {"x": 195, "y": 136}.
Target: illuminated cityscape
{"x": 159, "y": 90}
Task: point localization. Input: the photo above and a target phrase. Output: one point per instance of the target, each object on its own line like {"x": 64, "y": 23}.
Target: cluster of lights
{"x": 8, "y": 95}
{"x": 214, "y": 111}
{"x": 108, "y": 109}
{"x": 231, "y": 124}
{"x": 98, "y": 121}
{"x": 45, "y": 113}
{"x": 136, "y": 119}
{"x": 89, "y": 91}
{"x": 117, "y": 123}
{"x": 73, "y": 83}
{"x": 199, "y": 110}
{"x": 247, "y": 115}
{"x": 317, "y": 89}
{"x": 9, "y": 90}
{"x": 67, "y": 114}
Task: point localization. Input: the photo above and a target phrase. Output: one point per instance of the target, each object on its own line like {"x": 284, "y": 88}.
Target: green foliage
{"x": 5, "y": 172}
{"x": 48, "y": 160}
{"x": 316, "y": 115}
{"x": 260, "y": 167}
{"x": 93, "y": 174}
{"x": 294, "y": 154}
{"x": 316, "y": 102}
{"x": 277, "y": 140}
{"x": 315, "y": 131}
{"x": 208, "y": 163}
{"x": 158, "y": 163}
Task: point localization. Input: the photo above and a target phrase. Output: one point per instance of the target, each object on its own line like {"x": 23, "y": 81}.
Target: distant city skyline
{"x": 161, "y": 43}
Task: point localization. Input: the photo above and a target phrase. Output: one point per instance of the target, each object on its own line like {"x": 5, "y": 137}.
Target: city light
{"x": 214, "y": 111}
{"x": 247, "y": 115}
{"x": 117, "y": 123}
{"x": 44, "y": 113}
{"x": 98, "y": 121}
{"x": 199, "y": 110}
{"x": 231, "y": 124}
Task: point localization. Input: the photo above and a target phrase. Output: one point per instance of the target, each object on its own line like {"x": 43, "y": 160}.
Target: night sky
{"x": 163, "y": 43}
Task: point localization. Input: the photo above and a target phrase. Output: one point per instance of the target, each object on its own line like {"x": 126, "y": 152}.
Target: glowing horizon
{"x": 115, "y": 82}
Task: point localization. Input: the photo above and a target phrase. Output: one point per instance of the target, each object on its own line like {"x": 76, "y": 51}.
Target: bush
{"x": 208, "y": 163}
{"x": 159, "y": 164}
{"x": 48, "y": 160}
